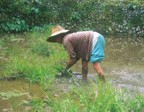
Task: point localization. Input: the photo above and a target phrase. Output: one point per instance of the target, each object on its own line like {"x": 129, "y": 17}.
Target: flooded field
{"x": 123, "y": 67}
{"x": 15, "y": 92}
{"x": 123, "y": 64}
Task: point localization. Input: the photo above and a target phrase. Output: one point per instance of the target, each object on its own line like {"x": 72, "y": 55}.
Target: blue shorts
{"x": 97, "y": 55}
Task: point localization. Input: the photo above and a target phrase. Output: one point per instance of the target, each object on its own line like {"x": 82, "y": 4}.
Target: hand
{"x": 64, "y": 72}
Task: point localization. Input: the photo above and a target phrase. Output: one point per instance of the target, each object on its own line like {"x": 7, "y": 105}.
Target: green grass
{"x": 40, "y": 61}
{"x": 90, "y": 98}
{"x": 93, "y": 98}
{"x": 33, "y": 57}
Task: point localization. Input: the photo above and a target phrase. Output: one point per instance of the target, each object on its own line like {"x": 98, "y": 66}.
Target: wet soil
{"x": 123, "y": 67}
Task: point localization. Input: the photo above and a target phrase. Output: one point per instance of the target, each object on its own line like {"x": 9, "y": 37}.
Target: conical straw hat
{"x": 57, "y": 31}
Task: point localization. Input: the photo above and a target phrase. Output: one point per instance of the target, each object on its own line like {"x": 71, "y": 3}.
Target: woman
{"x": 85, "y": 45}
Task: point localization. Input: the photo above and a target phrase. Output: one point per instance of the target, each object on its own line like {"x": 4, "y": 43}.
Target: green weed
{"x": 37, "y": 105}
{"x": 97, "y": 98}
{"x": 33, "y": 57}
{"x": 137, "y": 104}
{"x": 40, "y": 61}
{"x": 41, "y": 49}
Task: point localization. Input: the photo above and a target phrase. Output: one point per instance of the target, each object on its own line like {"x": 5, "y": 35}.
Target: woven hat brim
{"x": 52, "y": 38}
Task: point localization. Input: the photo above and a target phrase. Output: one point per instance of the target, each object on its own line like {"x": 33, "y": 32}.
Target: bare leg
{"x": 99, "y": 70}
{"x": 84, "y": 69}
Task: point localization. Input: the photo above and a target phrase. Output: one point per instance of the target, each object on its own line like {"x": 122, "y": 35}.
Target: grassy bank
{"x": 29, "y": 54}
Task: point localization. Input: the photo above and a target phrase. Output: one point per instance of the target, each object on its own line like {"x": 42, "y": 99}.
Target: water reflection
{"x": 123, "y": 66}
{"x": 16, "y": 92}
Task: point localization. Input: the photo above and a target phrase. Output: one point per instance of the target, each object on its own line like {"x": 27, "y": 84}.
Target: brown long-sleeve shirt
{"x": 79, "y": 44}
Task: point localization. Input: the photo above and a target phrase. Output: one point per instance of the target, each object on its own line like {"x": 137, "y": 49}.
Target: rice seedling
{"x": 40, "y": 62}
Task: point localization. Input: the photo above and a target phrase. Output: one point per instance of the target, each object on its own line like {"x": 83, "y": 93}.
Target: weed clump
{"x": 41, "y": 49}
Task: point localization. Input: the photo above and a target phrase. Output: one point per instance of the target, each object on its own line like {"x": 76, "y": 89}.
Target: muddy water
{"x": 123, "y": 67}
{"x": 13, "y": 93}
{"x": 123, "y": 64}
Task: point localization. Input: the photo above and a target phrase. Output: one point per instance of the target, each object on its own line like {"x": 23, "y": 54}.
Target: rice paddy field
{"x": 29, "y": 67}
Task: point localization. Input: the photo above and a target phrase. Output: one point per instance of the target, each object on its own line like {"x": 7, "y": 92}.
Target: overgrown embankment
{"x": 113, "y": 17}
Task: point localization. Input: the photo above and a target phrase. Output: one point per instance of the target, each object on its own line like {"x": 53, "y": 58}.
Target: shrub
{"x": 107, "y": 17}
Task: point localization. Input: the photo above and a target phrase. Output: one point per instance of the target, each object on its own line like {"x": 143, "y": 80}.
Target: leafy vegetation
{"x": 89, "y": 97}
{"x": 39, "y": 62}
{"x": 108, "y": 17}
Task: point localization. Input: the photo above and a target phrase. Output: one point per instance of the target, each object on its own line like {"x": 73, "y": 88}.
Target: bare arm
{"x": 71, "y": 62}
